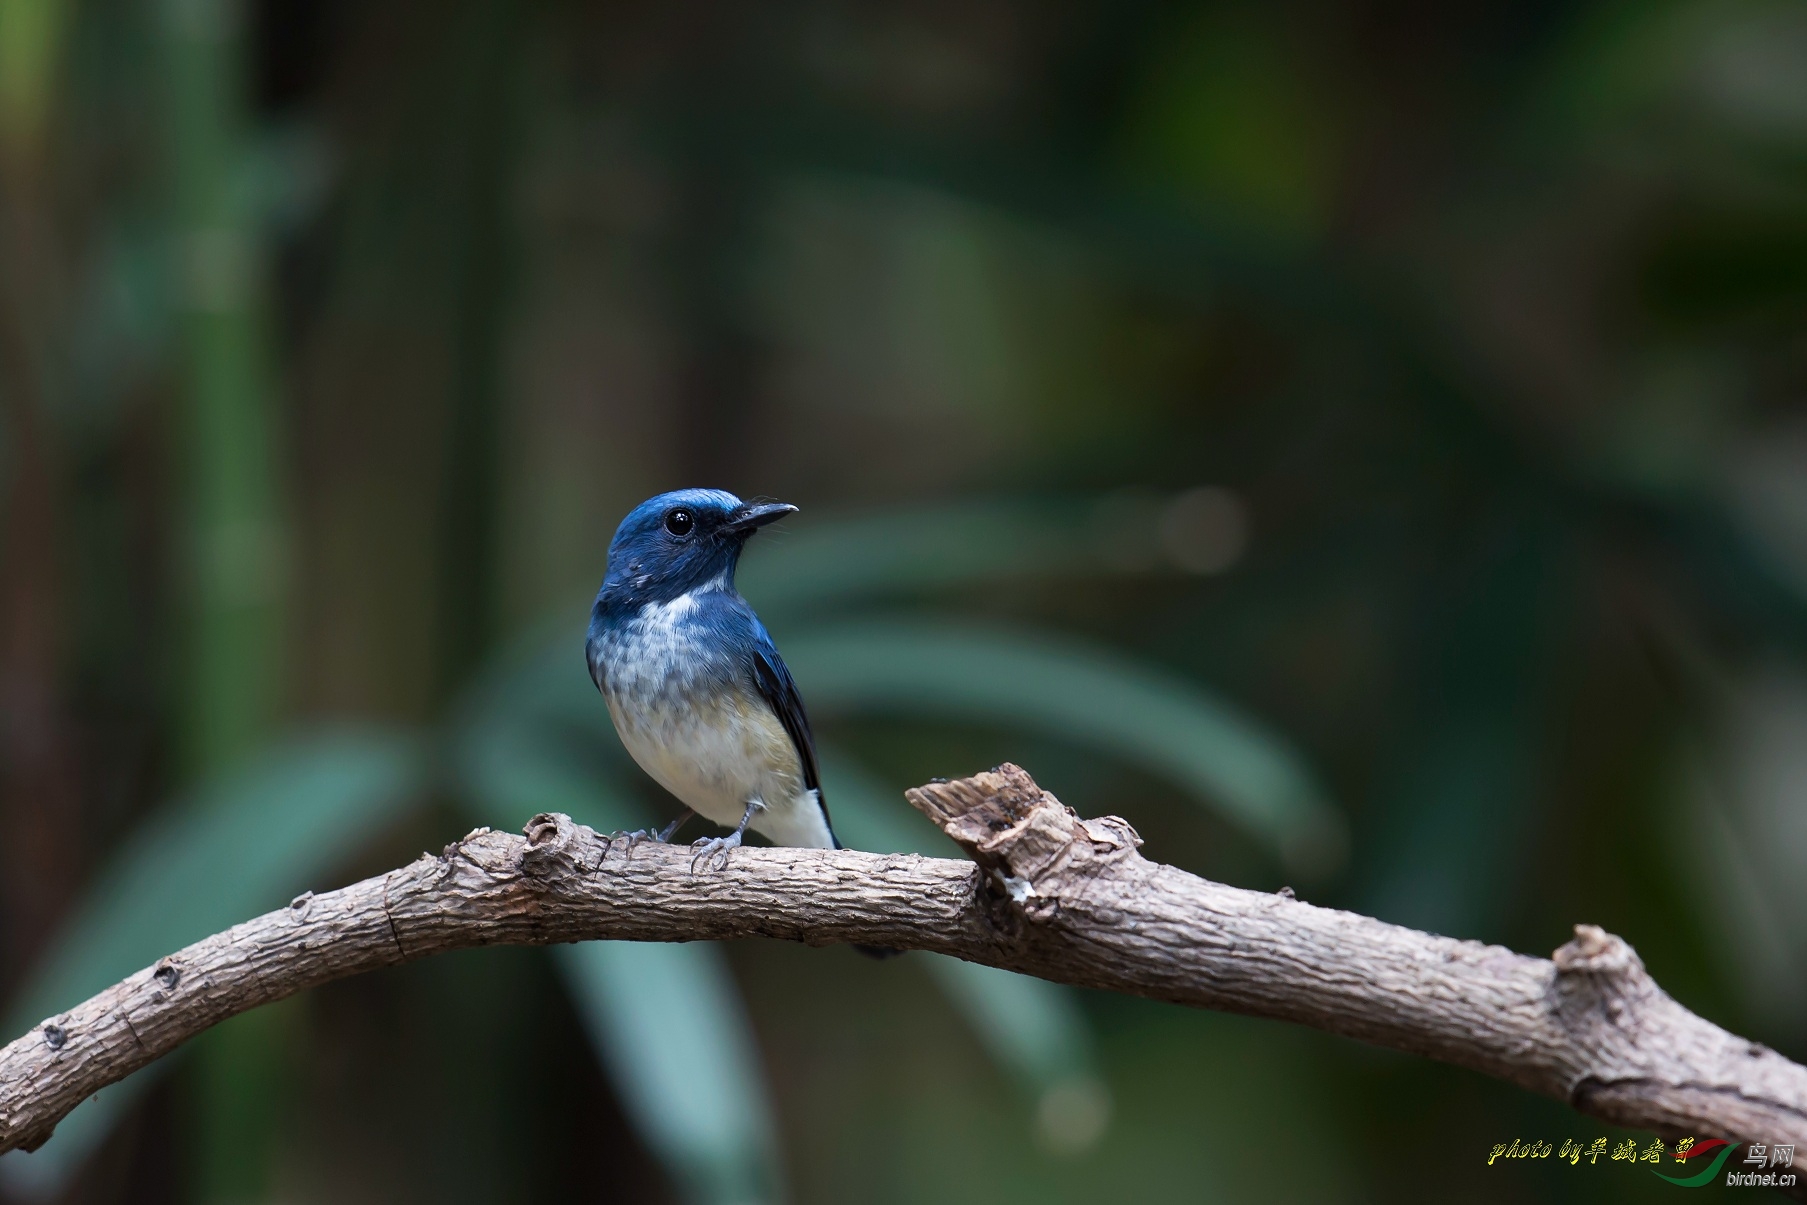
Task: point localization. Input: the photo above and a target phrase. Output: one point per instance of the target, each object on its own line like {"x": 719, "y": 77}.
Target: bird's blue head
{"x": 674, "y": 543}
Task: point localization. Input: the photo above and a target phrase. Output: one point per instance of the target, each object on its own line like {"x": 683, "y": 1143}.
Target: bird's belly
{"x": 717, "y": 754}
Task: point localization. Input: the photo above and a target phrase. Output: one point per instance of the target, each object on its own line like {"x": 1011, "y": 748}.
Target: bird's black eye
{"x": 680, "y": 522}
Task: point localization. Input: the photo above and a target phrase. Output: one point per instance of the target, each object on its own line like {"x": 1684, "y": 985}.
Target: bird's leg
{"x": 715, "y": 849}
{"x": 661, "y": 836}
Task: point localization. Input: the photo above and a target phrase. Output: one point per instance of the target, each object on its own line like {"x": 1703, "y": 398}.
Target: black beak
{"x": 751, "y": 516}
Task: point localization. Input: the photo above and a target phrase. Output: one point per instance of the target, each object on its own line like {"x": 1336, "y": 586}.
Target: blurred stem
{"x": 468, "y": 508}
{"x": 39, "y": 781}
{"x": 236, "y": 548}
{"x": 249, "y": 1063}
{"x": 31, "y": 43}
{"x": 39, "y": 786}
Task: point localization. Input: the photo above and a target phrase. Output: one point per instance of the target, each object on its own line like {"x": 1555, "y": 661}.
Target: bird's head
{"x": 674, "y": 543}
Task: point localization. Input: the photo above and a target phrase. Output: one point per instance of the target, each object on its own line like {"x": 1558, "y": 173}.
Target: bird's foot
{"x": 713, "y": 851}
{"x": 629, "y": 840}
{"x": 657, "y": 836}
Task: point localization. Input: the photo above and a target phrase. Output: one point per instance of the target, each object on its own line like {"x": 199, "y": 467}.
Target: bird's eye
{"x": 680, "y": 522}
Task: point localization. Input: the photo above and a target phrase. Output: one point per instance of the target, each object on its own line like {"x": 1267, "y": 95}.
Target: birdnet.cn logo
{"x": 1765, "y": 1165}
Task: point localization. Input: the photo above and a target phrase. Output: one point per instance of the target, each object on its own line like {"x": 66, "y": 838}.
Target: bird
{"x": 694, "y": 685}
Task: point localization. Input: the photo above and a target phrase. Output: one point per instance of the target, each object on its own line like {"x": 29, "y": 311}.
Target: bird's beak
{"x": 751, "y": 516}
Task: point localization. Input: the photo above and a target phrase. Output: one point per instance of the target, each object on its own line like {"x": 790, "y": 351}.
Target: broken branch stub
{"x": 1035, "y": 850}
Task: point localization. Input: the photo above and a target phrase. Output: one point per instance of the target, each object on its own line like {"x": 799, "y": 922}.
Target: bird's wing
{"x": 776, "y": 686}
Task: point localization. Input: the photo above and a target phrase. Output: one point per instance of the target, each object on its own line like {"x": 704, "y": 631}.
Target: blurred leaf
{"x": 869, "y": 815}
{"x": 245, "y": 1079}
{"x": 1031, "y": 1027}
{"x": 537, "y": 687}
{"x": 915, "y": 551}
{"x": 665, "y": 1018}
{"x": 253, "y": 836}
{"x": 242, "y": 844}
{"x": 1766, "y": 497}
{"x": 1454, "y": 822}
{"x": 1746, "y": 810}
{"x": 1744, "y": 912}
{"x": 668, "y": 1022}
{"x": 1231, "y": 762}
{"x": 510, "y": 770}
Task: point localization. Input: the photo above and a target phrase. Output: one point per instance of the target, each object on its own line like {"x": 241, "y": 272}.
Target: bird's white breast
{"x": 688, "y": 717}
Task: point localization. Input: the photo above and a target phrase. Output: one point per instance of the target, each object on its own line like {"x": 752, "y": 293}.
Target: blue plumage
{"x": 695, "y": 686}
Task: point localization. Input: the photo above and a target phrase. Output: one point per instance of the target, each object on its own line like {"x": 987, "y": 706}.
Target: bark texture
{"x": 1047, "y": 894}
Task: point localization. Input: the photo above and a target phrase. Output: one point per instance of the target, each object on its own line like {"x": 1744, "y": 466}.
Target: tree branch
{"x": 1050, "y": 895}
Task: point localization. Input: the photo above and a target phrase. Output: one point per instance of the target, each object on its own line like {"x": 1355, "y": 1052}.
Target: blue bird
{"x": 697, "y": 691}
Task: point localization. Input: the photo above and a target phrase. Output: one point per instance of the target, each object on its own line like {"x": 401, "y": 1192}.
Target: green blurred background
{"x": 1359, "y": 441}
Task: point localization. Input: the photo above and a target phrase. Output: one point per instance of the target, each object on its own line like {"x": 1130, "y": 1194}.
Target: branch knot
{"x": 558, "y": 849}
{"x": 1594, "y": 951}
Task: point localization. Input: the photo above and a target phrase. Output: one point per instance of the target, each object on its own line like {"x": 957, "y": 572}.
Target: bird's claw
{"x": 661, "y": 836}
{"x": 713, "y": 850}
{"x": 630, "y": 839}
